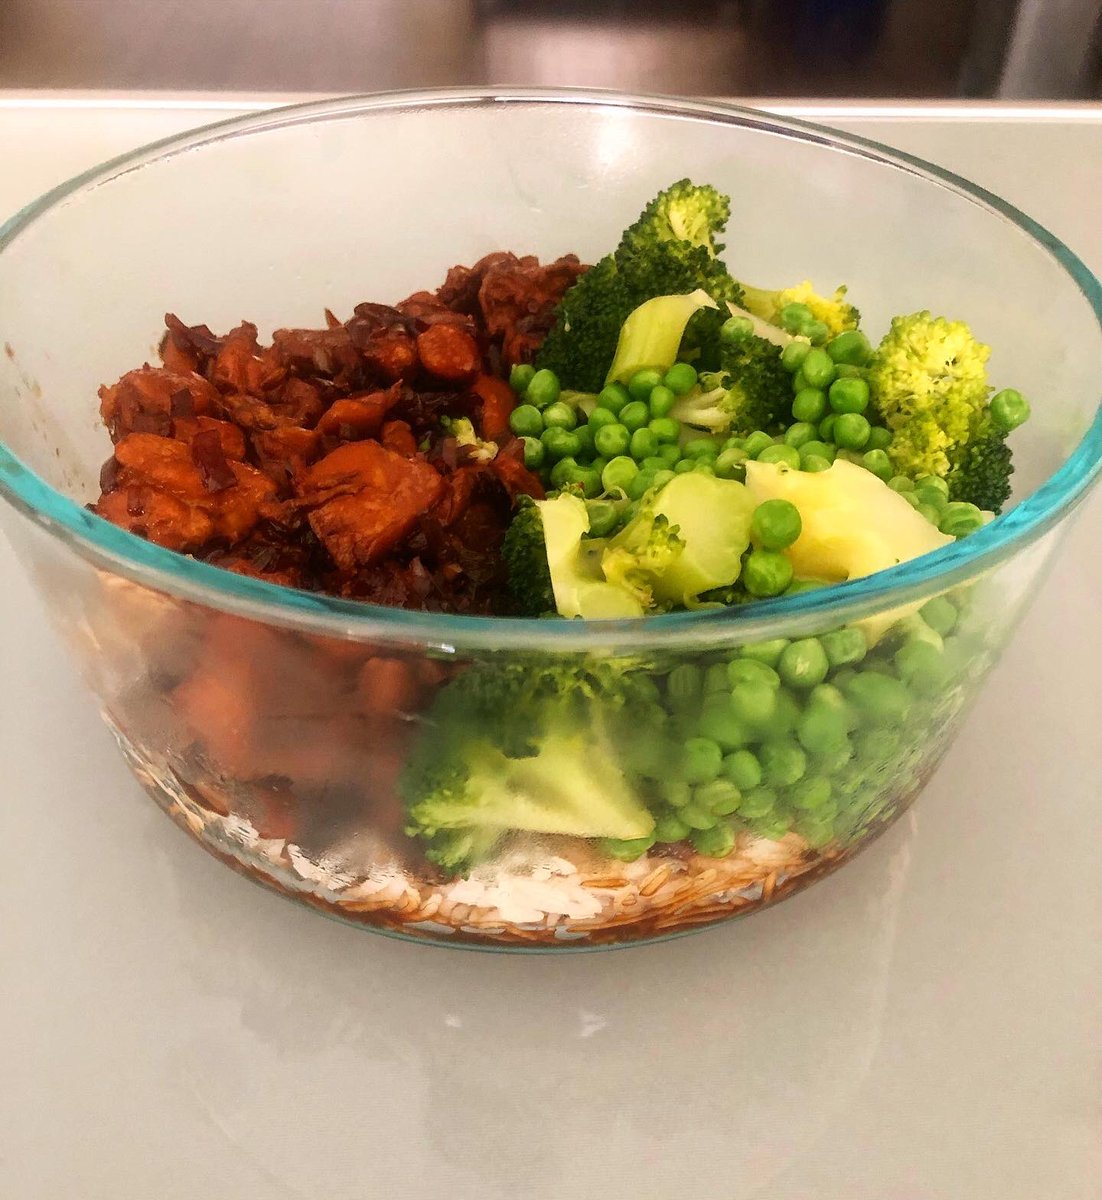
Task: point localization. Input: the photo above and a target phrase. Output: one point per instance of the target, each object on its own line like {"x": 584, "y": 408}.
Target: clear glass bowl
{"x": 273, "y": 724}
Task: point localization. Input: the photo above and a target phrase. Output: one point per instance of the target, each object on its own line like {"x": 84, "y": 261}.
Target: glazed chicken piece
{"x": 148, "y": 399}
{"x": 363, "y": 499}
{"x": 183, "y": 495}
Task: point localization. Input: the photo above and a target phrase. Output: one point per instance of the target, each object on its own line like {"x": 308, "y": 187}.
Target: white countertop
{"x": 923, "y": 1025}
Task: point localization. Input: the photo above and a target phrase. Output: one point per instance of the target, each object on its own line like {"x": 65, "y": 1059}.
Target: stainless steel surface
{"x": 921, "y": 1026}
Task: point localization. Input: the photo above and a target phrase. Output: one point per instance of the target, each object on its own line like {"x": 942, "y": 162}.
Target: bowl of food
{"x": 582, "y": 593}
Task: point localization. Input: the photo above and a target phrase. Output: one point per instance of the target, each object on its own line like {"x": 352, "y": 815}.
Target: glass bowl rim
{"x": 132, "y": 557}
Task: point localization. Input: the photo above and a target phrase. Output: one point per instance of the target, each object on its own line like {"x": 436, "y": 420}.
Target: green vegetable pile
{"x": 706, "y": 443}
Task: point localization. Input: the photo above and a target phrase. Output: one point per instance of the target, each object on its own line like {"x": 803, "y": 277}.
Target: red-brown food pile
{"x": 320, "y": 461}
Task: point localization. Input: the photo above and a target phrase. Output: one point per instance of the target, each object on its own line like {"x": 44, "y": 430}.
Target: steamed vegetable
{"x": 929, "y": 386}
{"x": 670, "y": 250}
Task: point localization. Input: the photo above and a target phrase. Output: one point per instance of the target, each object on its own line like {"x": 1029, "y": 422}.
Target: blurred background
{"x": 1004, "y": 49}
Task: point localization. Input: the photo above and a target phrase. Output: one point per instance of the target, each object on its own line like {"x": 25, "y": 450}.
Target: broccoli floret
{"x": 684, "y": 212}
{"x": 981, "y": 472}
{"x": 525, "y": 555}
{"x": 929, "y": 386}
{"x": 835, "y": 312}
{"x": 553, "y": 567}
{"x": 641, "y": 553}
{"x": 652, "y": 259}
{"x": 524, "y": 748}
{"x": 752, "y": 390}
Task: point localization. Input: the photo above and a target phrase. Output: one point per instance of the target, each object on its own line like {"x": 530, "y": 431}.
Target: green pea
{"x": 599, "y": 418}
{"x": 742, "y": 768}
{"x": 680, "y": 378}
{"x": 786, "y": 716}
{"x": 696, "y": 816}
{"x": 612, "y": 440}
{"x": 772, "y": 827}
{"x": 783, "y": 763}
{"x": 795, "y": 316}
{"x": 932, "y": 514}
{"x": 940, "y": 614}
{"x": 534, "y": 453}
{"x": 804, "y": 663}
{"x": 757, "y": 803}
{"x": 821, "y": 729}
{"x": 627, "y": 850}
{"x": 834, "y": 759}
{"x": 720, "y": 724}
{"x": 853, "y": 456}
{"x": 526, "y": 421}
{"x": 821, "y": 449}
{"x": 701, "y": 760}
{"x": 699, "y": 447}
{"x": 849, "y": 396}
{"x": 766, "y": 573}
{"x": 715, "y": 679}
{"x": 559, "y": 416}
{"x": 562, "y": 473}
{"x": 935, "y": 482}
{"x": 676, "y": 792}
{"x": 878, "y": 463}
{"x": 703, "y": 466}
{"x": 653, "y": 463}
{"x": 879, "y": 438}
{"x": 684, "y": 685}
{"x": 612, "y": 397}
{"x": 716, "y": 842}
{"x": 640, "y": 485}
{"x": 766, "y": 652}
{"x": 926, "y": 493}
{"x": 960, "y": 519}
{"x": 826, "y": 428}
{"x": 520, "y": 376}
{"x": 776, "y": 524}
{"x": 799, "y": 433}
{"x": 634, "y": 416}
{"x": 881, "y": 700}
{"x": 813, "y": 463}
{"x": 666, "y": 431}
{"x": 746, "y": 670}
{"x": 560, "y": 443}
{"x": 735, "y": 330}
{"x": 851, "y": 431}
{"x": 810, "y": 405}
{"x": 811, "y": 793}
{"x": 643, "y": 444}
{"x": 922, "y": 666}
{"x": 799, "y": 381}
{"x": 816, "y": 332}
{"x": 619, "y": 473}
{"x": 754, "y": 702}
{"x": 844, "y": 646}
{"x": 661, "y": 401}
{"x": 1009, "y": 409}
{"x": 901, "y": 484}
{"x": 793, "y": 355}
{"x": 543, "y": 388}
{"x": 788, "y": 455}
{"x": 817, "y": 834}
{"x": 850, "y": 347}
{"x": 756, "y": 443}
{"x": 684, "y": 465}
{"x": 670, "y": 828}
{"x": 818, "y": 368}
{"x": 731, "y": 464}
{"x": 642, "y": 383}
{"x": 587, "y": 448}
{"x": 603, "y": 516}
